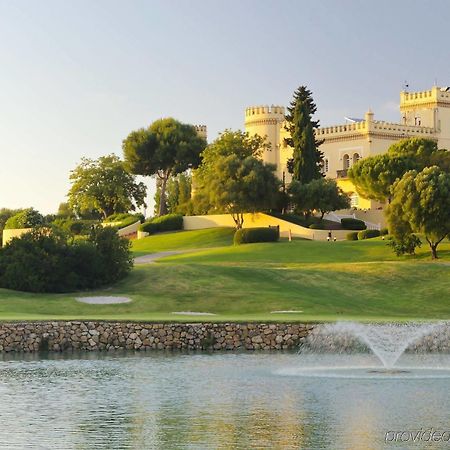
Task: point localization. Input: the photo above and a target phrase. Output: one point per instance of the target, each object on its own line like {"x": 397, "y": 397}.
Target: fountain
{"x": 350, "y": 349}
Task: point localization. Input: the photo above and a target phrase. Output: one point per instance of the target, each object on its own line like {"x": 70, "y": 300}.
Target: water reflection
{"x": 204, "y": 401}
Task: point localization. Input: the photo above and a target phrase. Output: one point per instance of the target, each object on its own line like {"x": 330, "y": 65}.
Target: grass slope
{"x": 360, "y": 280}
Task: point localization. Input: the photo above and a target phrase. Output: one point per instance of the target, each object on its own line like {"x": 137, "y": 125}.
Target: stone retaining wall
{"x": 76, "y": 335}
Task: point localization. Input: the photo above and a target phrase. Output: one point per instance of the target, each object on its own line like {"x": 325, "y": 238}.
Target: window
{"x": 346, "y": 162}
{"x": 356, "y": 158}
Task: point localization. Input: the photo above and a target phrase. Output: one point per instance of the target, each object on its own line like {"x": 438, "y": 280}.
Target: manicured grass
{"x": 184, "y": 240}
{"x": 358, "y": 280}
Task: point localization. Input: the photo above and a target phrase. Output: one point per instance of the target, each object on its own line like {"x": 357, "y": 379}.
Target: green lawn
{"x": 359, "y": 280}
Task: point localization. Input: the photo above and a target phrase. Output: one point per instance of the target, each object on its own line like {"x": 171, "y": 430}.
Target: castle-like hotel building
{"x": 423, "y": 114}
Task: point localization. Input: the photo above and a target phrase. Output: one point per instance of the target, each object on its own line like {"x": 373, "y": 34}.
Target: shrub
{"x": 44, "y": 261}
{"x": 353, "y": 236}
{"x": 384, "y": 232}
{"x": 169, "y": 222}
{"x": 249, "y": 235}
{"x": 74, "y": 227}
{"x": 114, "y": 254}
{"x": 28, "y": 218}
{"x": 368, "y": 234}
{"x": 405, "y": 245}
{"x": 316, "y": 226}
{"x": 353, "y": 224}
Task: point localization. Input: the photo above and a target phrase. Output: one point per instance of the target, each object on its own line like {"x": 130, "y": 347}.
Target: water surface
{"x": 216, "y": 401}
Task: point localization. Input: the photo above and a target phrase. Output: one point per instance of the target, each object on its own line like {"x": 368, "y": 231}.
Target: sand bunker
{"x": 103, "y": 300}
{"x": 192, "y": 313}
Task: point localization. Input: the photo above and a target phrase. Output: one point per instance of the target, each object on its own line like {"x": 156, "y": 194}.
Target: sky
{"x": 76, "y": 77}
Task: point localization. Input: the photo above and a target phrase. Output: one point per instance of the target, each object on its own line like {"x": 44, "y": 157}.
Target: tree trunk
{"x": 238, "y": 220}
{"x": 434, "y": 251}
{"x": 162, "y": 197}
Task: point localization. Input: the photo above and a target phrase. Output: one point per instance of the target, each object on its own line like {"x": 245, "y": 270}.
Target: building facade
{"x": 422, "y": 114}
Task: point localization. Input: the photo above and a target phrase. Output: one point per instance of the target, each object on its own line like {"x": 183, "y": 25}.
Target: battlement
{"x": 201, "y": 130}
{"x": 267, "y": 111}
{"x": 435, "y": 96}
{"x": 374, "y": 126}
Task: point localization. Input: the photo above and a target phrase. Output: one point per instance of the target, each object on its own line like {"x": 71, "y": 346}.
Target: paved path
{"x": 152, "y": 257}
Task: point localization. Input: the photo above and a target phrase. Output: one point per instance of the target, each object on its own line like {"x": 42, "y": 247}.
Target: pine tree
{"x": 306, "y": 161}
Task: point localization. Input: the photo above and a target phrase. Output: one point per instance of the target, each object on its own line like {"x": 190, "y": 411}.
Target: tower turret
{"x": 266, "y": 121}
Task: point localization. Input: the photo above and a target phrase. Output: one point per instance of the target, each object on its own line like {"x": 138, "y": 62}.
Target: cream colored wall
{"x": 12, "y": 233}
{"x": 266, "y": 122}
{"x": 259, "y": 220}
{"x": 444, "y": 123}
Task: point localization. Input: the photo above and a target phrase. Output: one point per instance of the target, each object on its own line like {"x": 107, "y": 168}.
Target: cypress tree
{"x": 306, "y": 161}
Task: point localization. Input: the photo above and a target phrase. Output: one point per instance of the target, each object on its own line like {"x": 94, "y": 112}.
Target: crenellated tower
{"x": 202, "y": 131}
{"x": 266, "y": 121}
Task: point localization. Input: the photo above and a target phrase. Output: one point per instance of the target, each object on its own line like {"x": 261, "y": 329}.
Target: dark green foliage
{"x": 306, "y": 162}
{"x": 317, "y": 226}
{"x": 164, "y": 149}
{"x": 368, "y": 234}
{"x": 27, "y": 218}
{"x": 74, "y": 227}
{"x": 353, "y": 224}
{"x": 249, "y": 235}
{"x": 44, "y": 261}
{"x": 353, "y": 236}
{"x": 384, "y": 232}
{"x": 307, "y": 221}
{"x": 321, "y": 195}
{"x": 169, "y": 222}
{"x": 114, "y": 253}
{"x": 404, "y": 245}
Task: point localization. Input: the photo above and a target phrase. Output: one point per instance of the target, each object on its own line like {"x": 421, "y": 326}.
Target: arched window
{"x": 356, "y": 158}
{"x": 346, "y": 162}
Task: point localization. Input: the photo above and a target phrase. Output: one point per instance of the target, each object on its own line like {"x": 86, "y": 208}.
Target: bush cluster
{"x": 26, "y": 218}
{"x": 45, "y": 261}
{"x": 249, "y": 235}
{"x": 353, "y": 236}
{"x": 368, "y": 234}
{"x": 406, "y": 245}
{"x": 317, "y": 226}
{"x": 353, "y": 224}
{"x": 74, "y": 227}
{"x": 169, "y": 222}
{"x": 384, "y": 232}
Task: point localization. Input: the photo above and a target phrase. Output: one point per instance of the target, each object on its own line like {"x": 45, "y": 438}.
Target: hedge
{"x": 43, "y": 261}
{"x": 368, "y": 234}
{"x": 353, "y": 224}
{"x": 384, "y": 232}
{"x": 169, "y": 222}
{"x": 316, "y": 226}
{"x": 262, "y": 234}
{"x": 353, "y": 236}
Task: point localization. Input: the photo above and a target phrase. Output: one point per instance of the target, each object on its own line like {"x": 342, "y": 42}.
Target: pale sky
{"x": 77, "y": 76}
